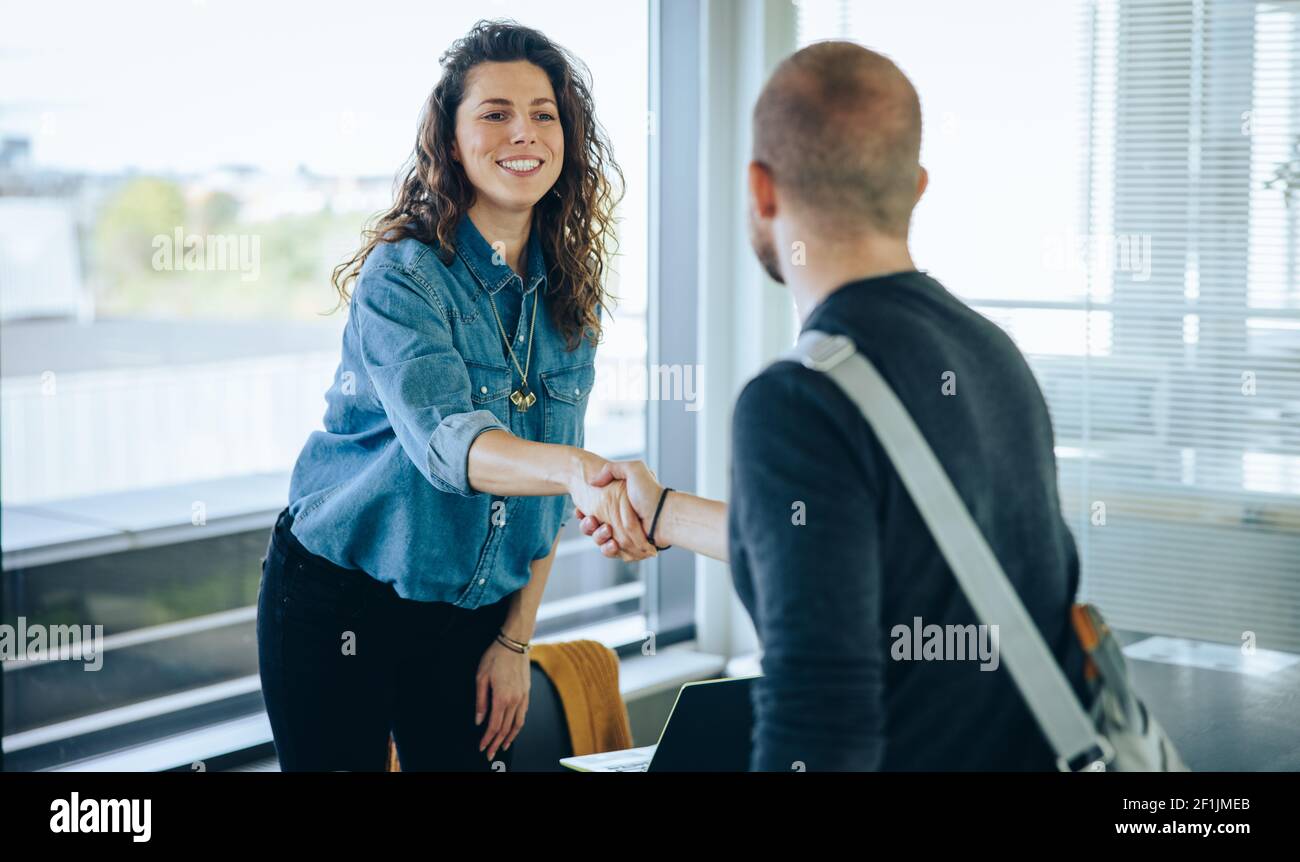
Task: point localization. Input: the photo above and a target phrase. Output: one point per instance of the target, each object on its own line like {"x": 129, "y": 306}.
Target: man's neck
{"x": 828, "y": 266}
{"x": 509, "y": 227}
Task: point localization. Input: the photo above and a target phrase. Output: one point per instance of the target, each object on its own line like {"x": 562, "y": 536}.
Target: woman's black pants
{"x": 344, "y": 661}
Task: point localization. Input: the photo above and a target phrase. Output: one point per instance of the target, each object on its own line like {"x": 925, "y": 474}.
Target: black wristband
{"x": 650, "y": 536}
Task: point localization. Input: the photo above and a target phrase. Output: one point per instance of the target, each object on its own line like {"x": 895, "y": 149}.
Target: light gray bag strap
{"x": 1036, "y": 673}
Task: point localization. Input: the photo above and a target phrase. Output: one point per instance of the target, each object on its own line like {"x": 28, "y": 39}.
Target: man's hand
{"x": 606, "y": 499}
{"x": 643, "y": 492}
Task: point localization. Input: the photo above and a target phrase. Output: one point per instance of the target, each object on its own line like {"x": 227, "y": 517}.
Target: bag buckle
{"x": 1094, "y": 758}
{"x": 827, "y": 351}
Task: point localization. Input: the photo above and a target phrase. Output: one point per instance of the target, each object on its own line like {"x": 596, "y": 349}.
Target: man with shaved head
{"x": 838, "y": 130}
{"x": 842, "y": 578}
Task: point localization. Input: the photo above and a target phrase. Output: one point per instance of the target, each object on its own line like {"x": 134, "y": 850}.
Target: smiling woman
{"x": 488, "y": 142}
{"x": 509, "y": 93}
{"x": 423, "y": 520}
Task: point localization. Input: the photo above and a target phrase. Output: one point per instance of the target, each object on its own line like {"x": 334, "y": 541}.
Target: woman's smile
{"x": 521, "y": 166}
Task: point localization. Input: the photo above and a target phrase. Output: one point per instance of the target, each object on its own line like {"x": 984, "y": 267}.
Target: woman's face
{"x": 508, "y": 134}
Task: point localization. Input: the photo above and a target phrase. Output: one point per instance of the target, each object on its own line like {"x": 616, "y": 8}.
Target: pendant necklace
{"x": 522, "y": 398}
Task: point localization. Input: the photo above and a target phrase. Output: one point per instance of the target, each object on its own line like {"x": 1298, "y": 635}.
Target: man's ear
{"x": 762, "y": 190}
{"x": 922, "y": 183}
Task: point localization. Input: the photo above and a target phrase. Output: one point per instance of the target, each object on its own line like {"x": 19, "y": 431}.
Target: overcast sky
{"x": 183, "y": 85}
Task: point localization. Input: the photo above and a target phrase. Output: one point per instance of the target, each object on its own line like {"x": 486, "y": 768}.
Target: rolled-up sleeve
{"x": 418, "y": 375}
{"x": 581, "y": 443}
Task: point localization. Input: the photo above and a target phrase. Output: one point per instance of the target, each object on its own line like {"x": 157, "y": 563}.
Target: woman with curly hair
{"x": 402, "y": 582}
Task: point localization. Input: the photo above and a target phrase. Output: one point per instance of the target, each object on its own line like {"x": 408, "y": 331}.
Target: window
{"x": 137, "y": 385}
{"x": 1131, "y": 217}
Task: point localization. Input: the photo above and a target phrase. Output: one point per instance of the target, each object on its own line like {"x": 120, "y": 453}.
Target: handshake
{"x": 616, "y": 506}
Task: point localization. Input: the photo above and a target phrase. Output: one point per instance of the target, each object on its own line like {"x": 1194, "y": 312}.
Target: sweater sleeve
{"x": 806, "y": 515}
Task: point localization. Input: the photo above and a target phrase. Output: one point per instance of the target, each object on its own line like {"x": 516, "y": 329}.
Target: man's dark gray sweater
{"x": 829, "y": 554}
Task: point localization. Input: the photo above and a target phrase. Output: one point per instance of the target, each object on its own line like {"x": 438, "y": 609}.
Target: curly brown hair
{"x": 575, "y": 219}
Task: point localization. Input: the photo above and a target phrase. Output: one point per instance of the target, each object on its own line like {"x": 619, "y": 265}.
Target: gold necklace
{"x": 522, "y": 398}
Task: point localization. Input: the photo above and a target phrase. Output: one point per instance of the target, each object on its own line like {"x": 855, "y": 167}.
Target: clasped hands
{"x": 616, "y": 507}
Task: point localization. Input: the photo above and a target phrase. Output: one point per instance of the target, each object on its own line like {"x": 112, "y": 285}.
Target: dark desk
{"x": 1222, "y": 721}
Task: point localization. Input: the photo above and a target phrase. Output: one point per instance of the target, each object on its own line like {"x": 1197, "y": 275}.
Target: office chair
{"x": 544, "y": 738}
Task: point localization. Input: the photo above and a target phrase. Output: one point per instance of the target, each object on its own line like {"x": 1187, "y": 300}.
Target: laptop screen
{"x": 708, "y": 729}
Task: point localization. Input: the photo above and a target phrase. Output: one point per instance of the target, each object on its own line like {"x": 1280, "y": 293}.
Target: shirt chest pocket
{"x": 489, "y": 389}
{"x": 566, "y": 393}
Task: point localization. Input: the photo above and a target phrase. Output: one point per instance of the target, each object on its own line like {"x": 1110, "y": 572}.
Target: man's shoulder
{"x": 790, "y": 405}
{"x": 774, "y": 391}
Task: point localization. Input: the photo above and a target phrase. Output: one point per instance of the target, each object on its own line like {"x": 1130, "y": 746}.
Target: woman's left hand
{"x": 506, "y": 676}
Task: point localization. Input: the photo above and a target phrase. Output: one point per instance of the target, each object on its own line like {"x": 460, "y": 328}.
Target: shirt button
{"x": 577, "y": 392}
{"x": 482, "y": 581}
{"x": 483, "y": 389}
{"x": 520, "y": 338}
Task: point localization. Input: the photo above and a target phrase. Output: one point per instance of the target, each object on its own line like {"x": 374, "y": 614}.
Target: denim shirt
{"x": 424, "y": 371}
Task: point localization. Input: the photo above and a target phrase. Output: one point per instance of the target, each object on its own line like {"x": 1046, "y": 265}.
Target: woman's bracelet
{"x": 650, "y": 536}
{"x": 509, "y": 642}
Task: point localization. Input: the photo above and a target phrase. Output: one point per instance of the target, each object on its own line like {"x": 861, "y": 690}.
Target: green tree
{"x": 122, "y": 259}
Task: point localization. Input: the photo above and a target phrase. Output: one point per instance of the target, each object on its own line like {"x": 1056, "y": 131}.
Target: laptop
{"x": 707, "y": 730}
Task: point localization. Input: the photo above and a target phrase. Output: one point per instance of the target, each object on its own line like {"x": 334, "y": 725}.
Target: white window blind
{"x": 1188, "y": 412}
{"x": 1164, "y": 326}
